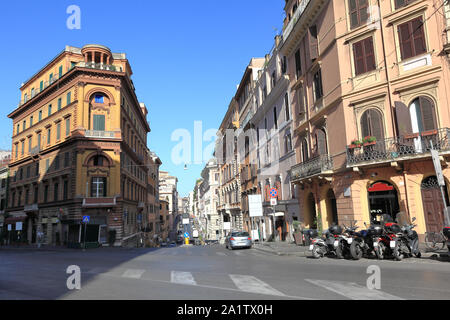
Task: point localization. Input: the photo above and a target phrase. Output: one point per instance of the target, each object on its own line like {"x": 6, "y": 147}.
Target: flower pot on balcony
{"x": 411, "y": 136}
{"x": 367, "y": 144}
{"x": 429, "y": 133}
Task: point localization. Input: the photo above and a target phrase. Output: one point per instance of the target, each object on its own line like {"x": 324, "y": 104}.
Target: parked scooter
{"x": 363, "y": 242}
{"x": 345, "y": 241}
{"x": 409, "y": 237}
{"x": 327, "y": 244}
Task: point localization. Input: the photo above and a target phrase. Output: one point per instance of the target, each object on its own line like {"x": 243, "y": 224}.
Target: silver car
{"x": 238, "y": 239}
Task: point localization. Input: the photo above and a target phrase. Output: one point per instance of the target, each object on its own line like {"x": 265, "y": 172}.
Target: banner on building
{"x": 255, "y": 206}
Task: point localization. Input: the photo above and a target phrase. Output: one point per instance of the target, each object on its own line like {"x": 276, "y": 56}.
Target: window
{"x": 286, "y": 107}
{"x": 65, "y": 190}
{"x": 36, "y": 193}
{"x": 67, "y": 127}
{"x": 41, "y": 85}
{"x": 275, "y": 120}
{"x": 66, "y": 159}
{"x": 298, "y": 64}
{"x": 69, "y": 98}
{"x": 314, "y": 43}
{"x": 40, "y": 116}
{"x": 305, "y": 155}
{"x": 423, "y": 116}
{"x": 99, "y": 161}
{"x": 58, "y": 131}
{"x": 25, "y": 98}
{"x": 56, "y": 162}
{"x": 39, "y": 141}
{"x": 412, "y": 38}
{"x": 358, "y": 12}
{"x": 364, "y": 56}
{"x": 24, "y": 124}
{"x": 60, "y": 71}
{"x": 33, "y": 93}
{"x": 99, "y": 122}
{"x": 37, "y": 169}
{"x": 288, "y": 143}
{"x": 402, "y": 3}
{"x": 17, "y": 150}
{"x": 47, "y": 164}
{"x": 18, "y": 129}
{"x": 59, "y": 103}
{"x": 318, "y": 90}
{"x": 49, "y": 133}
{"x": 98, "y": 187}
{"x": 31, "y": 121}
{"x": 55, "y": 192}
{"x": 50, "y": 78}
{"x": 321, "y": 142}
{"x": 99, "y": 98}
{"x": 372, "y": 124}
{"x": 29, "y": 145}
{"x": 23, "y": 147}
{"x": 46, "y": 193}
{"x": 49, "y": 110}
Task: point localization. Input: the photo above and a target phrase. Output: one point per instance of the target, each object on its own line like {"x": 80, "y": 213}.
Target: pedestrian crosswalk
{"x": 245, "y": 283}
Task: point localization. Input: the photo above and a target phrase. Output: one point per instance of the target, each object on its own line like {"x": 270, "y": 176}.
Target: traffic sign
{"x": 86, "y": 219}
{"x": 186, "y": 235}
{"x": 273, "y": 193}
{"x": 273, "y": 202}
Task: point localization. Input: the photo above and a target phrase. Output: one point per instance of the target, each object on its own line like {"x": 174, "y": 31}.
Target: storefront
{"x": 383, "y": 199}
{"x": 15, "y": 229}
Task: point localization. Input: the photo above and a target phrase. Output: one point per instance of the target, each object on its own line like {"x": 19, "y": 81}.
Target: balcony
{"x": 99, "y": 66}
{"x": 35, "y": 151}
{"x": 416, "y": 145}
{"x": 100, "y": 134}
{"x": 322, "y": 164}
{"x": 298, "y": 13}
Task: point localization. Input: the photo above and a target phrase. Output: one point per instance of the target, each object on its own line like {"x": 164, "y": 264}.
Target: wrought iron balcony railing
{"x": 314, "y": 166}
{"x": 400, "y": 148}
{"x": 297, "y": 14}
{"x": 99, "y": 66}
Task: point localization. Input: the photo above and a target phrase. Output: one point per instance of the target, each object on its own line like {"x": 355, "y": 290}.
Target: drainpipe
{"x": 394, "y": 127}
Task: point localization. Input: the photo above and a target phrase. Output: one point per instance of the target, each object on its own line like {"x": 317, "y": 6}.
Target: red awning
{"x": 12, "y": 220}
{"x": 380, "y": 186}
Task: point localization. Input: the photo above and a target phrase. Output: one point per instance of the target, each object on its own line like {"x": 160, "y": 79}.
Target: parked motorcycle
{"x": 345, "y": 241}
{"x": 364, "y": 240}
{"x": 327, "y": 244}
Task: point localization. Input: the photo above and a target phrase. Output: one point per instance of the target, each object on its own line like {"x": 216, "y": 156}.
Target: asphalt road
{"x": 212, "y": 273}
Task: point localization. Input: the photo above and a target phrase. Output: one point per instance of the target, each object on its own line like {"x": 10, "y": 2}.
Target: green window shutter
{"x": 59, "y": 104}
{"x": 41, "y": 85}
{"x": 99, "y": 122}
{"x": 67, "y": 127}
{"x": 40, "y": 116}
{"x": 69, "y": 98}
{"x": 49, "y": 110}
{"x": 58, "y": 131}
{"x": 60, "y": 71}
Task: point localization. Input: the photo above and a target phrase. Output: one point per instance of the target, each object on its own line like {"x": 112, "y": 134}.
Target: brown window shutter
{"x": 358, "y": 55}
{"x": 402, "y": 118}
{"x": 376, "y": 124}
{"x": 313, "y": 43}
{"x": 405, "y": 39}
{"x": 369, "y": 54}
{"x": 298, "y": 64}
{"x": 427, "y": 111}
{"x": 418, "y": 36}
{"x": 365, "y": 126}
{"x": 321, "y": 142}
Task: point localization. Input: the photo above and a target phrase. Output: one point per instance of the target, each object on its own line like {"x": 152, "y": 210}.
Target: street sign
{"x": 185, "y": 221}
{"x": 195, "y": 234}
{"x": 255, "y": 205}
{"x": 273, "y": 202}
{"x": 438, "y": 167}
{"x": 186, "y": 235}
{"x": 86, "y": 219}
{"x": 273, "y": 193}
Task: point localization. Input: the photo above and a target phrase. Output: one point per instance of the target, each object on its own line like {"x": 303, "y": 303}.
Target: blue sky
{"x": 187, "y": 56}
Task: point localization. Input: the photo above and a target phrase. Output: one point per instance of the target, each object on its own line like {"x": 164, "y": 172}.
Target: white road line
{"x": 133, "y": 273}
{"x": 353, "y": 291}
{"x": 254, "y": 285}
{"x": 182, "y": 278}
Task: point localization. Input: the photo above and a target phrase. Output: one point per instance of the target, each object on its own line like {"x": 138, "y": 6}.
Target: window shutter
{"x": 369, "y": 54}
{"x": 419, "y": 36}
{"x": 359, "y": 58}
{"x": 365, "y": 127}
{"x": 402, "y": 118}
{"x": 321, "y": 142}
{"x": 376, "y": 124}
{"x": 404, "y": 36}
{"x": 427, "y": 111}
{"x": 298, "y": 64}
{"x": 313, "y": 43}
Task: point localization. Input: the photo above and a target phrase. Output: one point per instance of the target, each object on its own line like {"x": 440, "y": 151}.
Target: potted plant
{"x": 355, "y": 144}
{"x": 369, "y": 141}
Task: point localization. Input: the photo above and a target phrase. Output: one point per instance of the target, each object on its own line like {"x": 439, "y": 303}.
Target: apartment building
{"x": 153, "y": 163}
{"x": 78, "y": 147}
{"x": 369, "y": 84}
{"x": 168, "y": 191}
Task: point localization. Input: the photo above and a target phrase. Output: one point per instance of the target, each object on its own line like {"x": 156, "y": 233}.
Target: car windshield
{"x": 240, "y": 234}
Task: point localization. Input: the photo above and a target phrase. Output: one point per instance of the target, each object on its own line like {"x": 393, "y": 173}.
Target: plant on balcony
{"x": 355, "y": 144}
{"x": 369, "y": 140}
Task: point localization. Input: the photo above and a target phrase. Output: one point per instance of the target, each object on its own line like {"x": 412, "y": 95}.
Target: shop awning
{"x": 12, "y": 220}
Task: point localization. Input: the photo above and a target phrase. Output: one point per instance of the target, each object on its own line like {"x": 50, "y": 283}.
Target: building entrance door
{"x": 383, "y": 199}
{"x": 312, "y": 212}
{"x": 433, "y": 205}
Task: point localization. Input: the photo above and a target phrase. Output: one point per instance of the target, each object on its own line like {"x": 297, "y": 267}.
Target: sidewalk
{"x": 291, "y": 249}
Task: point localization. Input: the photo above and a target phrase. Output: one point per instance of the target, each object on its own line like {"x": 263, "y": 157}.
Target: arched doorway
{"x": 383, "y": 199}
{"x": 332, "y": 214}
{"x": 433, "y": 205}
{"x": 311, "y": 203}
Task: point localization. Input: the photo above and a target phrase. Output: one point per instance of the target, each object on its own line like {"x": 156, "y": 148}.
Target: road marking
{"x": 182, "y": 278}
{"x": 133, "y": 273}
{"x": 254, "y": 285}
{"x": 353, "y": 291}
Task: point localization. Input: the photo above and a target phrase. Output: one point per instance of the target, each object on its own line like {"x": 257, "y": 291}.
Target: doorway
{"x": 312, "y": 211}
{"x": 433, "y": 205}
{"x": 332, "y": 214}
{"x": 383, "y": 199}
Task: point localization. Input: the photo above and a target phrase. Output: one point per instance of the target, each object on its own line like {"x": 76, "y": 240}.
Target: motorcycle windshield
{"x": 403, "y": 219}
{"x": 386, "y": 218}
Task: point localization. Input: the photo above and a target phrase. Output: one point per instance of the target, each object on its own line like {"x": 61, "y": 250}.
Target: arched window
{"x": 321, "y": 142}
{"x": 99, "y": 161}
{"x": 305, "y": 155}
{"x": 423, "y": 116}
{"x": 372, "y": 124}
